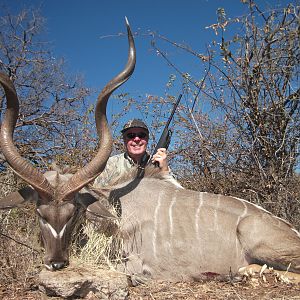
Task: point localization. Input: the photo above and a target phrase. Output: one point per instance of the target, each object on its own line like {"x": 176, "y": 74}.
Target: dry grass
{"x": 20, "y": 253}
{"x": 97, "y": 242}
{"x": 91, "y": 246}
{"x": 215, "y": 290}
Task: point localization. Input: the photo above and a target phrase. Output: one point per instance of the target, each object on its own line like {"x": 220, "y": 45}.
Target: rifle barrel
{"x": 173, "y": 111}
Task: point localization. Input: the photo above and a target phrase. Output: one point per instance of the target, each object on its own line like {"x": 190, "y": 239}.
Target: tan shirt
{"x": 116, "y": 167}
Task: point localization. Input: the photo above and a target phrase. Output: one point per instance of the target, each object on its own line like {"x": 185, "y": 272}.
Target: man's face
{"x": 136, "y": 140}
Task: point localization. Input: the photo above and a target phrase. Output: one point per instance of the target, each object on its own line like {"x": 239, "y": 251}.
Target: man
{"x": 135, "y": 135}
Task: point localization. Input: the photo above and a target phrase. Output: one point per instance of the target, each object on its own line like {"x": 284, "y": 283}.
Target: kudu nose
{"x": 58, "y": 265}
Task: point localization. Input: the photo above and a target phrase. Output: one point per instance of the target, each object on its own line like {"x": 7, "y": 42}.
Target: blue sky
{"x": 75, "y": 29}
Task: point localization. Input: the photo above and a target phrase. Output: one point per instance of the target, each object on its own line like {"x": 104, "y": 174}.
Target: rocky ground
{"x": 254, "y": 288}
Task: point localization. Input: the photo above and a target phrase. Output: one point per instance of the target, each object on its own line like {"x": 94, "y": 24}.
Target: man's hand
{"x": 161, "y": 157}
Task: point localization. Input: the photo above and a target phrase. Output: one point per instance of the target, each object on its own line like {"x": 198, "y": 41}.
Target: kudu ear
{"x": 94, "y": 207}
{"x": 18, "y": 198}
{"x": 103, "y": 220}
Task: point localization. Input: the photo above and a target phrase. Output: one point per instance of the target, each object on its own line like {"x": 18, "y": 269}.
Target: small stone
{"x": 84, "y": 282}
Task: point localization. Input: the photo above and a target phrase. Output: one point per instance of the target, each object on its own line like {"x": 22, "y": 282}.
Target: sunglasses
{"x": 140, "y": 135}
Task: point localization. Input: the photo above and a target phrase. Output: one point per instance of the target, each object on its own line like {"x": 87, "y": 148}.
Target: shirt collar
{"x": 126, "y": 155}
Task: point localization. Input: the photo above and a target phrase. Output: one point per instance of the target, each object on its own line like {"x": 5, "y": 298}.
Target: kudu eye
{"x": 41, "y": 218}
{"x": 39, "y": 213}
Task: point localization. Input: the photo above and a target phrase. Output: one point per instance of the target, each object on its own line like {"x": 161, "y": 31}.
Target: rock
{"x": 84, "y": 282}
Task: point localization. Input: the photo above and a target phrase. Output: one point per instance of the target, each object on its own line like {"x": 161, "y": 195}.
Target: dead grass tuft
{"x": 93, "y": 247}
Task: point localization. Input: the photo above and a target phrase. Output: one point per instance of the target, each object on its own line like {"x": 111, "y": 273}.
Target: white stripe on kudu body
{"x": 171, "y": 215}
{"x": 171, "y": 225}
{"x": 156, "y": 225}
{"x": 216, "y": 214}
{"x": 197, "y": 217}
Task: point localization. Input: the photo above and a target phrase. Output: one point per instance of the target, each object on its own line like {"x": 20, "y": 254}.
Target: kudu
{"x": 167, "y": 232}
{"x": 57, "y": 197}
{"x": 177, "y": 234}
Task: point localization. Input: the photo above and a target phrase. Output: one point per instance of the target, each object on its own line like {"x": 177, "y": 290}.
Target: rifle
{"x": 166, "y": 135}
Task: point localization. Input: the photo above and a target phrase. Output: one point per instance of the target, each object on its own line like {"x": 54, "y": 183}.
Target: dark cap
{"x": 134, "y": 123}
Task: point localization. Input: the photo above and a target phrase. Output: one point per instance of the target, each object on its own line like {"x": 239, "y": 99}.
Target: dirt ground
{"x": 254, "y": 288}
{"x": 216, "y": 290}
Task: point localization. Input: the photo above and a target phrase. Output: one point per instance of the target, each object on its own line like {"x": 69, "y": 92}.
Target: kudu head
{"x": 58, "y": 205}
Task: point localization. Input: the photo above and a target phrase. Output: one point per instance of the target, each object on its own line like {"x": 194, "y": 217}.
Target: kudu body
{"x": 176, "y": 234}
{"x": 168, "y": 233}
{"x": 59, "y": 198}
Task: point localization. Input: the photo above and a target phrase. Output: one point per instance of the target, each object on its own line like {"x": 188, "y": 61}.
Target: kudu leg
{"x": 258, "y": 270}
{"x": 271, "y": 241}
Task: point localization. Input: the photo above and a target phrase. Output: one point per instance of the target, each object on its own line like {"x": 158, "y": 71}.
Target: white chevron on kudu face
{"x": 55, "y": 234}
